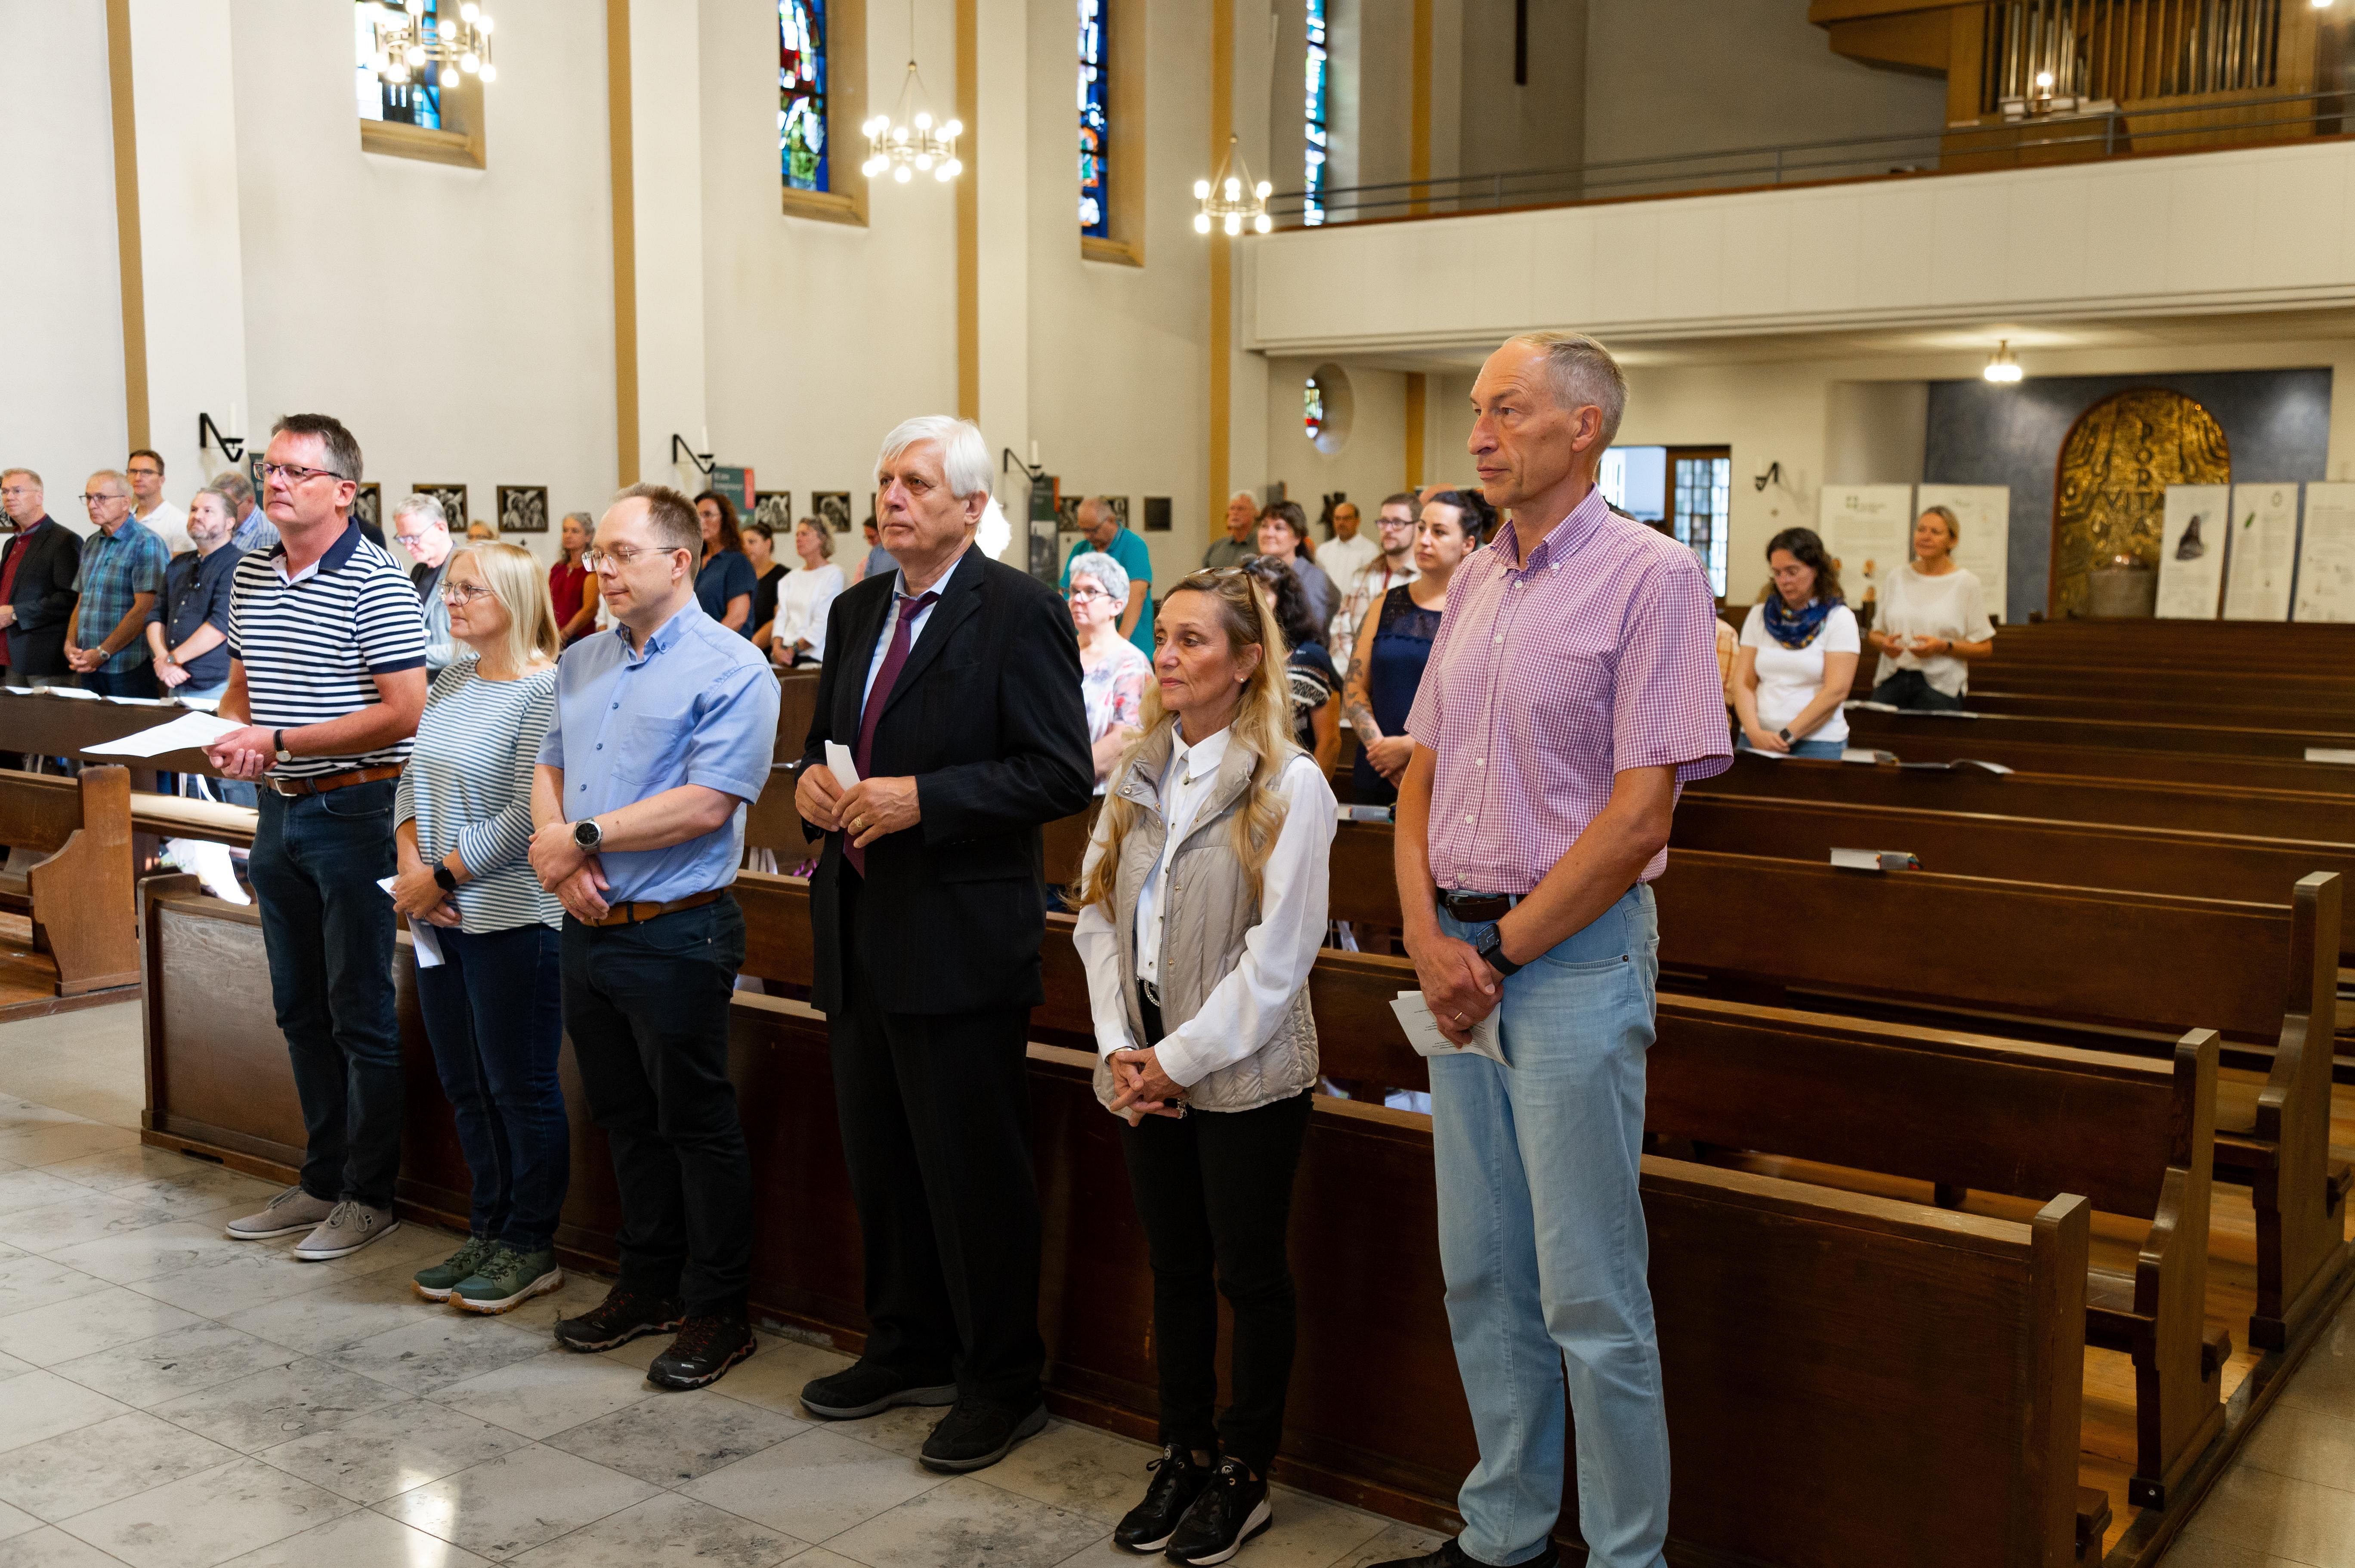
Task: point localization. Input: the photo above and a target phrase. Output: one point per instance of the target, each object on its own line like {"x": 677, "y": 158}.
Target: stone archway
{"x": 2111, "y": 491}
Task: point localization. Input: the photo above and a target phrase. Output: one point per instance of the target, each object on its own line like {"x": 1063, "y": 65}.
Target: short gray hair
{"x": 115, "y": 476}
{"x": 27, "y": 474}
{"x": 965, "y": 455}
{"x": 1110, "y": 575}
{"x": 1580, "y": 373}
{"x": 422, "y": 505}
{"x": 231, "y": 483}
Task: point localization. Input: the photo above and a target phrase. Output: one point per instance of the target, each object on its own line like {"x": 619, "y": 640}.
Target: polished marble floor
{"x": 169, "y": 1399}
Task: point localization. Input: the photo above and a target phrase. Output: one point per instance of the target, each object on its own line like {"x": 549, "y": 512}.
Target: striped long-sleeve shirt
{"x": 468, "y": 788}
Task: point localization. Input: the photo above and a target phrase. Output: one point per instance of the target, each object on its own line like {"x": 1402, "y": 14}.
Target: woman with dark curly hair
{"x": 724, "y": 579}
{"x": 1798, "y": 654}
{"x": 1315, "y": 684}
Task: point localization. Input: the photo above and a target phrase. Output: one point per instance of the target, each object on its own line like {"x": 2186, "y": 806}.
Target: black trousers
{"x": 1214, "y": 1191}
{"x": 1911, "y": 689}
{"x": 647, "y": 1007}
{"x": 935, "y": 1113}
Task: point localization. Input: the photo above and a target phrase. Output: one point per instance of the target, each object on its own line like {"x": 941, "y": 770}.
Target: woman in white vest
{"x": 1203, "y": 904}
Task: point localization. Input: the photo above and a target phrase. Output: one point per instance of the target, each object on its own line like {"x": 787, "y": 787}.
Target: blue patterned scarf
{"x": 1796, "y": 628}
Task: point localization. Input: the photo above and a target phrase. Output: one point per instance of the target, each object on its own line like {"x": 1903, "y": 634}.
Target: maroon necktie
{"x": 878, "y": 696}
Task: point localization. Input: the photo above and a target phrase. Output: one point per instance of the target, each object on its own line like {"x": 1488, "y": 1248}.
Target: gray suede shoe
{"x": 290, "y": 1213}
{"x": 351, "y": 1226}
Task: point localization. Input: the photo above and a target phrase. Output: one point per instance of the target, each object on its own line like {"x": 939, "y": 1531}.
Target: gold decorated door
{"x": 2110, "y": 493}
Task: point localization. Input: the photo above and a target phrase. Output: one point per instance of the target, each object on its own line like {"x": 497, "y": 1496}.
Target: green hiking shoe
{"x": 436, "y": 1281}
{"x": 507, "y": 1279}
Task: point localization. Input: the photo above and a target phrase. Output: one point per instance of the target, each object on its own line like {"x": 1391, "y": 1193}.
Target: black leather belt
{"x": 1477, "y": 909}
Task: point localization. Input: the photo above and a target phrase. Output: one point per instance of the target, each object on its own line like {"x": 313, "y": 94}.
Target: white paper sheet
{"x": 74, "y": 691}
{"x": 1868, "y": 529}
{"x": 423, "y": 937}
{"x": 1985, "y": 549}
{"x": 189, "y": 729}
{"x": 2264, "y": 552}
{"x": 1423, "y": 1031}
{"x": 2191, "y": 551}
{"x": 2330, "y": 754}
{"x": 838, "y": 763}
{"x": 2325, "y": 561}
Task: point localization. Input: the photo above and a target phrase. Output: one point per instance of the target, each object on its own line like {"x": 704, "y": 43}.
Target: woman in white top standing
{"x": 1203, "y": 904}
{"x": 1112, "y": 673}
{"x": 1798, "y": 654}
{"x": 805, "y": 597}
{"x": 1933, "y": 617}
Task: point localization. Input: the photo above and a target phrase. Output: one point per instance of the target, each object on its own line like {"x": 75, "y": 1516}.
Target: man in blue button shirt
{"x": 665, "y": 730}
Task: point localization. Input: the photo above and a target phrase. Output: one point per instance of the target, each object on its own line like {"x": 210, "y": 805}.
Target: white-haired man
{"x": 955, "y": 682}
{"x": 1240, "y": 545}
{"x": 422, "y": 528}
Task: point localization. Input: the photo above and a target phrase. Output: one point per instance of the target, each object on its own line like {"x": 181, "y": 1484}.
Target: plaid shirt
{"x": 113, "y": 571}
{"x": 1551, "y": 674}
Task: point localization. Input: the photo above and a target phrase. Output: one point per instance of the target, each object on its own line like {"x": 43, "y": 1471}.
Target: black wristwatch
{"x": 587, "y": 834}
{"x": 1784, "y": 734}
{"x": 444, "y": 878}
{"x": 1491, "y": 949}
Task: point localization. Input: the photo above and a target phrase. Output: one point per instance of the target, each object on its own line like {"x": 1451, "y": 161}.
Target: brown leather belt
{"x": 632, "y": 913}
{"x": 326, "y": 781}
{"x": 1476, "y": 908}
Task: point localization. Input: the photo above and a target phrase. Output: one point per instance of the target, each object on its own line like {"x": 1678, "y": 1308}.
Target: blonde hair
{"x": 515, "y": 578}
{"x": 1953, "y": 524}
{"x": 1262, "y": 722}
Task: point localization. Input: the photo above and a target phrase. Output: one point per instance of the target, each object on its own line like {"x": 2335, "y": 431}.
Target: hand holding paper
{"x": 189, "y": 731}
{"x": 1422, "y": 1029}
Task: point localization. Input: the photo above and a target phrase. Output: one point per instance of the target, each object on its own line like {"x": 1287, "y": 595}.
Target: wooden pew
{"x": 1947, "y": 1435}
{"x": 2181, "y": 753}
{"x": 79, "y": 894}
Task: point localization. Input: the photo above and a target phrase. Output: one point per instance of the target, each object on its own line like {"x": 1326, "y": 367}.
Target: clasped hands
{"x": 1143, "y": 1088}
{"x": 568, "y": 871}
{"x": 418, "y": 896}
{"x": 244, "y": 753}
{"x": 866, "y": 811}
{"x": 85, "y": 660}
{"x": 1458, "y": 984}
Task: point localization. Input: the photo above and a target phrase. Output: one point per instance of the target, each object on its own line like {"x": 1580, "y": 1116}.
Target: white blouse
{"x": 1950, "y": 605}
{"x": 1789, "y": 679}
{"x": 804, "y": 597}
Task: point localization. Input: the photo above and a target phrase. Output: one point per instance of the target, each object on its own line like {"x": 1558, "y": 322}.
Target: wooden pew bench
{"x": 2242, "y": 759}
{"x": 79, "y": 894}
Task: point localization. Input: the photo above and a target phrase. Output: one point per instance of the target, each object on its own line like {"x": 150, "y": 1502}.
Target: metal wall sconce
{"x": 231, "y": 446}
{"x": 680, "y": 448}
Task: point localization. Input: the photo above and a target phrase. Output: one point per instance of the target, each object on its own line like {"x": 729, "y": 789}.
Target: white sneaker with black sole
{"x": 351, "y": 1226}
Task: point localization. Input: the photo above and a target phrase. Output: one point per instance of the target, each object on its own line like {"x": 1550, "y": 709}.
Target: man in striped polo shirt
{"x": 328, "y": 672}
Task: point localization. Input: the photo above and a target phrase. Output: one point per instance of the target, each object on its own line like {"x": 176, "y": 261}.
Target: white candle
{"x": 705, "y": 450}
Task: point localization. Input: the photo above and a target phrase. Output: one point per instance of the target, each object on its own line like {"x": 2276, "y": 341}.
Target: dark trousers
{"x": 1214, "y": 1191}
{"x": 494, "y": 1013}
{"x": 139, "y": 680}
{"x": 1908, "y": 689}
{"x": 328, "y": 928}
{"x": 935, "y": 1113}
{"x": 646, "y": 1006}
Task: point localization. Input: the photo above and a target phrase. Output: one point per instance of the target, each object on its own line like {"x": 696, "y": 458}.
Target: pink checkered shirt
{"x": 1551, "y": 674}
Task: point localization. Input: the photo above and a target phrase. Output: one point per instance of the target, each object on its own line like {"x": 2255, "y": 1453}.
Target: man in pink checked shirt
{"x": 1571, "y": 688}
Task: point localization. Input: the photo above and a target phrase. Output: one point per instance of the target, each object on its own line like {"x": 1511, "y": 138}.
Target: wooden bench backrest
{"x": 2245, "y": 759}
{"x": 38, "y": 811}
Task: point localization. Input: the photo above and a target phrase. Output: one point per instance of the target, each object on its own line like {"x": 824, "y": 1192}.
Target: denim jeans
{"x": 1828, "y": 751}
{"x": 328, "y": 931}
{"x": 1542, "y": 1244}
{"x": 493, "y": 1012}
{"x": 646, "y": 1006}
{"x": 137, "y": 681}
{"x": 1911, "y": 689}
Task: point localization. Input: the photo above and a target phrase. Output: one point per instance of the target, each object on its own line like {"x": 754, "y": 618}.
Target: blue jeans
{"x": 1829, "y": 750}
{"x": 1542, "y": 1244}
{"x": 328, "y": 931}
{"x": 493, "y": 1012}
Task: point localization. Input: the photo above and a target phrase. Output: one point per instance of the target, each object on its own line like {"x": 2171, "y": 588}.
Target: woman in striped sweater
{"x": 463, "y": 827}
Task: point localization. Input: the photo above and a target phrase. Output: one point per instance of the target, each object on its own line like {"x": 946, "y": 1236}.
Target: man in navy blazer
{"x": 39, "y": 563}
{"x": 953, "y": 683}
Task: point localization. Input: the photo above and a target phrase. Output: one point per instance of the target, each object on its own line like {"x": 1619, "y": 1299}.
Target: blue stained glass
{"x": 1095, "y": 126}
{"x": 1314, "y": 128}
{"x": 803, "y": 150}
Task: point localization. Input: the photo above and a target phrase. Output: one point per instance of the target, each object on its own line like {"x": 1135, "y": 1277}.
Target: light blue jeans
{"x": 1542, "y": 1243}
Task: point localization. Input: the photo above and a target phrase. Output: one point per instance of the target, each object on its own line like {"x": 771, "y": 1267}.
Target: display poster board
{"x": 1868, "y": 529}
{"x": 2191, "y": 551}
{"x": 1985, "y": 549}
{"x": 2263, "y": 553}
{"x": 736, "y": 484}
{"x": 2326, "y": 557}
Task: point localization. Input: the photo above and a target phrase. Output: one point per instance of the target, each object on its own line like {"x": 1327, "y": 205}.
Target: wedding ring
{"x": 1459, "y": 1017}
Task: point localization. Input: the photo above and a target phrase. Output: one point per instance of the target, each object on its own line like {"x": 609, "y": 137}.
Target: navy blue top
{"x": 1394, "y": 670}
{"x": 724, "y": 577}
{"x": 196, "y": 589}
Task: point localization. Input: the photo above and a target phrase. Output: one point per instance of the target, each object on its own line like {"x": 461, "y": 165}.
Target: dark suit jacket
{"x": 44, "y": 598}
{"x": 986, "y": 717}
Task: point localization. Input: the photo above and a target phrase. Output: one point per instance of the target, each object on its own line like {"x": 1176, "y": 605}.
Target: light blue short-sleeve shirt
{"x": 697, "y": 706}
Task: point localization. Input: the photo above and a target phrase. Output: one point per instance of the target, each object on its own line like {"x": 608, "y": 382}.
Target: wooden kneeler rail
{"x": 79, "y": 897}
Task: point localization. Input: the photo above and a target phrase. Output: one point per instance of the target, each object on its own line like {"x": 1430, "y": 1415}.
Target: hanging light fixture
{"x": 415, "y": 49}
{"x": 1230, "y": 197}
{"x": 2002, "y": 369}
{"x": 909, "y": 141}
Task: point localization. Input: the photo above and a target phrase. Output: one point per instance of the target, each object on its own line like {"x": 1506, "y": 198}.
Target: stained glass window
{"x": 1704, "y": 505}
{"x": 802, "y": 147}
{"x": 417, "y": 104}
{"x": 1312, "y": 402}
{"x": 1312, "y": 205}
{"x": 1096, "y": 130}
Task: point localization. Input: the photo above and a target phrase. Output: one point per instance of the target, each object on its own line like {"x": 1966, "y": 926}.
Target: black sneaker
{"x": 977, "y": 1432}
{"x": 864, "y": 1389}
{"x": 707, "y": 1346}
{"x": 1230, "y": 1510}
{"x": 1177, "y": 1482}
{"x": 622, "y": 1316}
{"x": 1451, "y": 1555}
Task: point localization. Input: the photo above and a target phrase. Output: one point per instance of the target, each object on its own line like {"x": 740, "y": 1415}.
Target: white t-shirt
{"x": 1951, "y": 605}
{"x": 1344, "y": 559}
{"x": 170, "y": 523}
{"x": 1789, "y": 679}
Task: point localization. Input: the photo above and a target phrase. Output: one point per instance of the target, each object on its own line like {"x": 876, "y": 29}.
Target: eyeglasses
{"x": 94, "y": 500}
{"x": 463, "y": 593}
{"x": 144, "y": 472}
{"x": 621, "y": 559}
{"x": 1082, "y": 595}
{"x": 294, "y": 473}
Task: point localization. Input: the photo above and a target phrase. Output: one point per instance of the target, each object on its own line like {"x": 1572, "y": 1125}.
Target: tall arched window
{"x": 1095, "y": 123}
{"x": 1314, "y": 127}
{"x": 802, "y": 148}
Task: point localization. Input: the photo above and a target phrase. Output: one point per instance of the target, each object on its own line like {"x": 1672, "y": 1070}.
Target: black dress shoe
{"x": 977, "y": 1432}
{"x": 865, "y": 1388}
{"x": 622, "y": 1316}
{"x": 1451, "y": 1555}
{"x": 1177, "y": 1482}
{"x": 1230, "y": 1510}
{"x": 707, "y": 1346}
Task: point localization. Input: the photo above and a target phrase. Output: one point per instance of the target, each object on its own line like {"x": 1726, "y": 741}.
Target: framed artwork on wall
{"x": 453, "y": 503}
{"x": 1156, "y": 514}
{"x": 833, "y": 508}
{"x": 523, "y": 510}
{"x": 776, "y": 508}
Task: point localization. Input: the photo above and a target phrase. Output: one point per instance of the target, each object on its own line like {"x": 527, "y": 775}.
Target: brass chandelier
{"x": 412, "y": 48}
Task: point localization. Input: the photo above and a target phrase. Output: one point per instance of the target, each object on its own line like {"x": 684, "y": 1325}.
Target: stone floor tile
{"x": 1310, "y": 1531}
{"x": 49, "y": 1547}
{"x": 2324, "y": 1380}
{"x": 172, "y": 1246}
{"x": 576, "y": 1294}
{"x": 62, "y": 1141}
{"x": 277, "y": 1405}
{"x": 2198, "y": 1552}
{"x": 387, "y": 1451}
{"x": 152, "y": 1372}
{"x": 548, "y": 1393}
{"x": 361, "y": 1540}
{"x": 101, "y": 1320}
{"x": 508, "y": 1504}
{"x": 23, "y": 1188}
{"x": 18, "y": 1112}
{"x": 258, "y": 1272}
{"x": 81, "y": 1217}
{"x": 16, "y": 1522}
{"x": 672, "y": 1438}
{"x": 965, "y": 1522}
{"x": 1391, "y": 1542}
{"x": 1078, "y": 1468}
{"x": 29, "y": 1282}
{"x": 103, "y": 1462}
{"x": 900, "y": 1430}
{"x": 814, "y": 1486}
{"x": 337, "y": 1312}
{"x": 774, "y": 1378}
{"x": 207, "y": 1518}
{"x": 663, "y": 1532}
{"x": 2290, "y": 1440}
{"x": 437, "y": 1349}
{"x": 42, "y": 1404}
{"x": 410, "y": 1247}
{"x": 10, "y": 1366}
{"x": 2258, "y": 1511}
{"x": 112, "y": 1168}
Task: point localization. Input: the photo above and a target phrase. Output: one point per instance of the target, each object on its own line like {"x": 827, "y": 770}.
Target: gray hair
{"x": 1110, "y": 575}
{"x": 965, "y": 455}
{"x": 27, "y": 474}
{"x": 584, "y": 519}
{"x": 220, "y": 492}
{"x": 232, "y": 484}
{"x": 1580, "y": 373}
{"x": 420, "y": 505}
{"x": 115, "y": 476}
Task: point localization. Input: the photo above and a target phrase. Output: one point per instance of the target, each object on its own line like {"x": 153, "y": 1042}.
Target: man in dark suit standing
{"x": 37, "y": 568}
{"x": 955, "y": 684}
